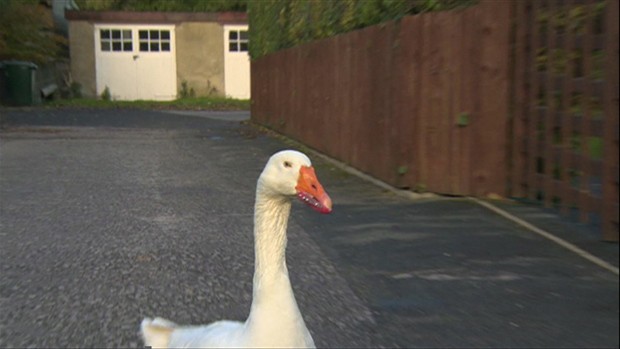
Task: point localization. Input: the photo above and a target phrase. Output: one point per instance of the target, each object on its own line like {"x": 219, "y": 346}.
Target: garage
{"x": 159, "y": 55}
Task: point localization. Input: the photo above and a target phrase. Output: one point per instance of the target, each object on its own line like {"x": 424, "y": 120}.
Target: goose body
{"x": 274, "y": 320}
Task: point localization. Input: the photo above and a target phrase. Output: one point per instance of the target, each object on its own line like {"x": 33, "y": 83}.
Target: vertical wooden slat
{"x": 468, "y": 91}
{"x": 298, "y": 86}
{"x": 285, "y": 93}
{"x": 313, "y": 93}
{"x": 379, "y": 117}
{"x": 390, "y": 162}
{"x": 336, "y": 46}
{"x": 533, "y": 115}
{"x": 425, "y": 110}
{"x": 550, "y": 94}
{"x": 416, "y": 45}
{"x": 276, "y": 91}
{"x": 442, "y": 105}
{"x": 438, "y": 121}
{"x": 347, "y": 88}
{"x": 448, "y": 124}
{"x": 452, "y": 83}
{"x": 490, "y": 173}
{"x": 271, "y": 91}
{"x": 369, "y": 119}
{"x": 254, "y": 83}
{"x": 293, "y": 86}
{"x": 328, "y": 137}
{"x": 584, "y": 202}
{"x": 262, "y": 106}
{"x": 610, "y": 135}
{"x": 403, "y": 94}
{"x": 359, "y": 101}
{"x": 517, "y": 171}
{"x": 568, "y": 45}
{"x": 352, "y": 106}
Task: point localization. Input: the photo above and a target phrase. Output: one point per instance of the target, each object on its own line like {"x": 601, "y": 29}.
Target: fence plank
{"x": 442, "y": 100}
{"x": 567, "y": 198}
{"x": 403, "y": 104}
{"x": 454, "y": 83}
{"x": 425, "y": 110}
{"x": 417, "y": 35}
{"x": 467, "y": 94}
{"x": 519, "y": 91}
{"x": 349, "y": 108}
{"x": 586, "y": 130}
{"x": 452, "y": 78}
{"x": 490, "y": 172}
{"x": 533, "y": 116}
{"x": 358, "y": 102}
{"x": 381, "y": 51}
{"x": 430, "y": 82}
{"x": 336, "y": 95}
{"x": 610, "y": 138}
{"x": 549, "y": 117}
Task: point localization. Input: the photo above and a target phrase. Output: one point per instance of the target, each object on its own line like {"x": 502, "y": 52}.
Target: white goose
{"x": 274, "y": 320}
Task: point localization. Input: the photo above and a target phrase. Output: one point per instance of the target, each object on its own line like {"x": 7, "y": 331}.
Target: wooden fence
{"x": 411, "y": 102}
{"x": 564, "y": 147}
{"x": 456, "y": 103}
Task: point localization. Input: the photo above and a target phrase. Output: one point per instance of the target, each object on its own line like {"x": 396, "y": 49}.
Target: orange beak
{"x": 311, "y": 192}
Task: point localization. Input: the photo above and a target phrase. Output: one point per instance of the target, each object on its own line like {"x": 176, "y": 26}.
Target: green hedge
{"x": 163, "y": 5}
{"x": 278, "y": 24}
{"x": 27, "y": 33}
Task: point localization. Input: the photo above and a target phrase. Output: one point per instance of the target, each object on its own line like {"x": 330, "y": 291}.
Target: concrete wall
{"x": 82, "y": 50}
{"x": 200, "y": 57}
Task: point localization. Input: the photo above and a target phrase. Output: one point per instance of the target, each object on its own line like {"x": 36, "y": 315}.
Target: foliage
{"x": 106, "y": 95}
{"x": 27, "y": 32}
{"x": 75, "y": 90}
{"x": 186, "y": 91}
{"x": 278, "y": 24}
{"x": 163, "y": 5}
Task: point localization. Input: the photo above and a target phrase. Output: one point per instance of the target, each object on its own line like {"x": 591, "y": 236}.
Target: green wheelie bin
{"x": 19, "y": 79}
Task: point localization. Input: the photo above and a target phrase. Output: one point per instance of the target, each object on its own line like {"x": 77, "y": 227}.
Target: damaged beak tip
{"x": 327, "y": 203}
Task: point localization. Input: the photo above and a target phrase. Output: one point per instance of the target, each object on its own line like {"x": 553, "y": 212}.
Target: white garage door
{"x": 236, "y": 61}
{"x": 136, "y": 62}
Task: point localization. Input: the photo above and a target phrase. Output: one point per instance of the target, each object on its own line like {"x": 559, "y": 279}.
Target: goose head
{"x": 289, "y": 173}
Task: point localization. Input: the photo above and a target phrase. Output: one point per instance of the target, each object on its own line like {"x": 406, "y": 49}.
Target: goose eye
{"x": 287, "y": 164}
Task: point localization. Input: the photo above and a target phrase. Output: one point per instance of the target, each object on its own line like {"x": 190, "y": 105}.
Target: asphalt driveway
{"x": 107, "y": 216}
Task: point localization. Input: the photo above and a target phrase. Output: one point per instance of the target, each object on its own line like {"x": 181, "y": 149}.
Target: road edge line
{"x": 567, "y": 245}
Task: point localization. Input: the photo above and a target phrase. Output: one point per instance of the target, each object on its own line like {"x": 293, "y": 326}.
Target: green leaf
{"x": 462, "y": 119}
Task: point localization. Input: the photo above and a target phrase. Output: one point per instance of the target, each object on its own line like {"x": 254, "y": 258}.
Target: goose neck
{"x": 270, "y": 224}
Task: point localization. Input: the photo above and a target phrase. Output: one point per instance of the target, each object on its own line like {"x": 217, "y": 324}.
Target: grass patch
{"x": 197, "y": 103}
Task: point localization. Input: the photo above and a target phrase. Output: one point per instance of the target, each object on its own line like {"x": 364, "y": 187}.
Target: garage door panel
{"x": 236, "y": 61}
{"x": 136, "y": 62}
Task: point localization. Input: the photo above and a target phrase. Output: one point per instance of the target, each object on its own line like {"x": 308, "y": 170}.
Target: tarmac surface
{"x": 108, "y": 216}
